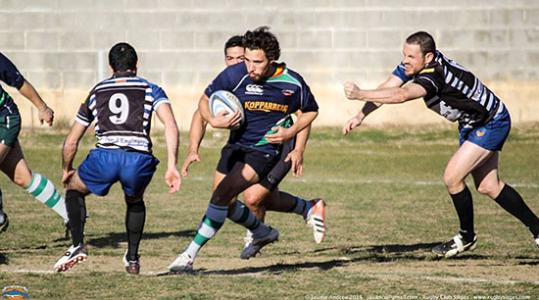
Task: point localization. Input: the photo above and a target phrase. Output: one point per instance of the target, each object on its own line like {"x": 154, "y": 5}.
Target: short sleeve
{"x": 159, "y": 96}
{"x": 400, "y": 72}
{"x": 9, "y": 73}
{"x": 308, "y": 102}
{"x": 430, "y": 81}
{"x": 221, "y": 82}
{"x": 84, "y": 115}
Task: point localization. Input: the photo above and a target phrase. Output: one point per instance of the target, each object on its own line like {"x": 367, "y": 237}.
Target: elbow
{"x": 401, "y": 96}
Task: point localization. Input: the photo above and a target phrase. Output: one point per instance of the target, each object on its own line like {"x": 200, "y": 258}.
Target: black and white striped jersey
{"x": 122, "y": 108}
{"x": 456, "y": 94}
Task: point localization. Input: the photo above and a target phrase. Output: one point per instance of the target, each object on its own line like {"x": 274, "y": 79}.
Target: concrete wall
{"x": 61, "y": 46}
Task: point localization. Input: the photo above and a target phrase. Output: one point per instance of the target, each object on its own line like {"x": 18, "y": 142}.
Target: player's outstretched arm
{"x": 69, "y": 150}
{"x": 45, "y": 113}
{"x": 172, "y": 175}
{"x": 196, "y": 134}
{"x": 369, "y": 107}
{"x": 391, "y": 95}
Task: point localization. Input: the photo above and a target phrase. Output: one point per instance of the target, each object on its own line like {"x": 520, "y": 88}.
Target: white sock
{"x": 43, "y": 190}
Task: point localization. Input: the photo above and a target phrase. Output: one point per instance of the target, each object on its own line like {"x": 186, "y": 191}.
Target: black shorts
{"x": 279, "y": 171}
{"x": 260, "y": 161}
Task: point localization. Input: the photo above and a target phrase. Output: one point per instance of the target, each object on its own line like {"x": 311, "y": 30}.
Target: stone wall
{"x": 61, "y": 46}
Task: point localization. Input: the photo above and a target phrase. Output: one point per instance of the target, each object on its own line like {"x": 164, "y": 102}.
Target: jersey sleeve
{"x": 308, "y": 103}
{"x": 159, "y": 96}
{"x": 221, "y": 82}
{"x": 9, "y": 73}
{"x": 430, "y": 81}
{"x": 84, "y": 115}
{"x": 399, "y": 72}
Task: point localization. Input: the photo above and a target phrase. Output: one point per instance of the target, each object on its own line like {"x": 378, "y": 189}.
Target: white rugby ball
{"x": 226, "y": 101}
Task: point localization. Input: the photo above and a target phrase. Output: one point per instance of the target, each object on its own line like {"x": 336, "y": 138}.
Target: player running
{"x": 484, "y": 124}
{"x": 265, "y": 195}
{"x": 12, "y": 161}
{"x": 269, "y": 92}
{"x": 122, "y": 108}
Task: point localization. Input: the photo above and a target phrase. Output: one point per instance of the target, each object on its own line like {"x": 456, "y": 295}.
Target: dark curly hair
{"x": 262, "y": 38}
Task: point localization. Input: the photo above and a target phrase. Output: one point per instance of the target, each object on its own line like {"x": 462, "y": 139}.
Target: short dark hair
{"x": 424, "y": 40}
{"x": 262, "y": 38}
{"x": 122, "y": 57}
{"x": 234, "y": 41}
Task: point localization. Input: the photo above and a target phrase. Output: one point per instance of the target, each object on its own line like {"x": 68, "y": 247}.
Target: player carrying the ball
{"x": 269, "y": 92}
{"x": 265, "y": 195}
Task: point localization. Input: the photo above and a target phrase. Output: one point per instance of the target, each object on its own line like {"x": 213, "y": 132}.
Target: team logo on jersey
{"x": 265, "y": 106}
{"x": 254, "y": 89}
{"x": 480, "y": 133}
{"x": 287, "y": 93}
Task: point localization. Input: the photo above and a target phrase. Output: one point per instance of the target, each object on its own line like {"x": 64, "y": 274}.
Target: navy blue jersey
{"x": 12, "y": 77}
{"x": 265, "y": 103}
{"x": 122, "y": 108}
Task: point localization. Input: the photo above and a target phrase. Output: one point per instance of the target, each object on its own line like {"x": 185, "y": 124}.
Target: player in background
{"x": 265, "y": 195}
{"x": 269, "y": 92}
{"x": 122, "y": 108}
{"x": 12, "y": 161}
{"x": 484, "y": 124}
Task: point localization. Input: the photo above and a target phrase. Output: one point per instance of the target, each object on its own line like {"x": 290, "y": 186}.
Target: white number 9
{"x": 119, "y": 108}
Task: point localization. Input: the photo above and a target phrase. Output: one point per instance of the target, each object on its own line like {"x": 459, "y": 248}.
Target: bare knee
{"x": 453, "y": 183}
{"x": 252, "y": 200}
{"x": 22, "y": 179}
{"x": 489, "y": 188}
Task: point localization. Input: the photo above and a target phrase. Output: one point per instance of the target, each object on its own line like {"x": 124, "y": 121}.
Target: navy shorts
{"x": 279, "y": 171}
{"x": 260, "y": 161}
{"x": 104, "y": 167}
{"x": 490, "y": 136}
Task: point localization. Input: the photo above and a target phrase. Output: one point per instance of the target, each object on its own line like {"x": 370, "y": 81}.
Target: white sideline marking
{"x": 369, "y": 181}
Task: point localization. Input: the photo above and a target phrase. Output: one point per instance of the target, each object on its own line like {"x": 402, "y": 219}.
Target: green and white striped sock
{"x": 211, "y": 222}
{"x": 43, "y": 190}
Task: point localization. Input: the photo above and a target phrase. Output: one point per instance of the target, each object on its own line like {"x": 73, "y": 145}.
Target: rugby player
{"x": 265, "y": 195}
{"x": 269, "y": 92}
{"x": 122, "y": 108}
{"x": 12, "y": 161}
{"x": 455, "y": 93}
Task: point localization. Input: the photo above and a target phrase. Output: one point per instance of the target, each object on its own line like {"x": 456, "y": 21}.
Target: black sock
{"x": 464, "y": 205}
{"x": 511, "y": 201}
{"x": 76, "y": 211}
{"x": 134, "y": 224}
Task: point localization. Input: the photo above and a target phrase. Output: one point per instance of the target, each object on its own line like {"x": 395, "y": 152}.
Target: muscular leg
{"x": 467, "y": 158}
{"x": 488, "y": 183}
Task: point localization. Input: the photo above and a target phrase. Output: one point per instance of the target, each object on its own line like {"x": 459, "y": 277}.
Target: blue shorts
{"x": 490, "y": 136}
{"x": 104, "y": 167}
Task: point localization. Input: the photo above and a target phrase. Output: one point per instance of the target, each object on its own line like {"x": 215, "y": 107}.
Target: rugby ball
{"x": 226, "y": 101}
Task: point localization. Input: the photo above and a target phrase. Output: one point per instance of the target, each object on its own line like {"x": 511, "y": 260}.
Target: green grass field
{"x": 387, "y": 207}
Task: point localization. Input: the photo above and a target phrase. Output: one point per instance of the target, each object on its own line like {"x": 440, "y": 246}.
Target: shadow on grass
{"x": 3, "y": 259}
{"x": 113, "y": 239}
{"x": 356, "y": 254}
